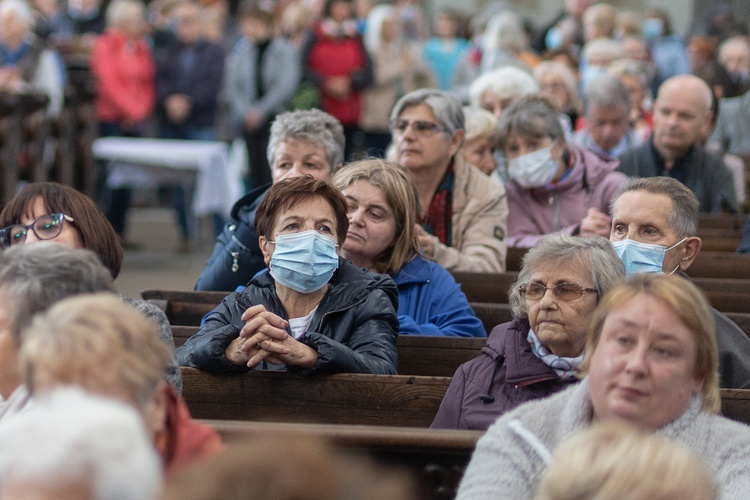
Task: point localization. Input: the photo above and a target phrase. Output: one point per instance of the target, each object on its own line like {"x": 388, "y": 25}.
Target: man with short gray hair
{"x": 682, "y": 117}
{"x": 606, "y": 107}
{"x": 654, "y": 230}
{"x": 32, "y": 278}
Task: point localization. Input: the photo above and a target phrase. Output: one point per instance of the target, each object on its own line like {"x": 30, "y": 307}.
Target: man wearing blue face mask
{"x": 654, "y": 227}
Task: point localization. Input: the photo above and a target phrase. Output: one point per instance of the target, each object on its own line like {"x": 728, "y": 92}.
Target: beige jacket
{"x": 480, "y": 223}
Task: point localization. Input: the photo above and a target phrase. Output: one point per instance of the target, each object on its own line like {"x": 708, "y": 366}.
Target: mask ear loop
{"x": 670, "y": 248}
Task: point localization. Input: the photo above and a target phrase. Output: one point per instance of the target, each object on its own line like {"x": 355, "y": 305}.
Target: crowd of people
{"x": 386, "y": 156}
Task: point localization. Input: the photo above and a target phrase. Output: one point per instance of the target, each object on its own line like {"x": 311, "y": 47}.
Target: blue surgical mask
{"x": 591, "y": 73}
{"x": 642, "y": 257}
{"x": 535, "y": 169}
{"x": 652, "y": 27}
{"x": 304, "y": 261}
{"x": 554, "y": 39}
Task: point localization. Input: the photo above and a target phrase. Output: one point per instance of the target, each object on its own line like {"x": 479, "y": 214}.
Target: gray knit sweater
{"x": 511, "y": 457}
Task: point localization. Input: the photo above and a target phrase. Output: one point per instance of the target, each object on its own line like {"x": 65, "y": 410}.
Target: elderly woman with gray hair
{"x": 462, "y": 219}
{"x": 554, "y": 186}
{"x": 301, "y": 143}
{"x": 538, "y": 352}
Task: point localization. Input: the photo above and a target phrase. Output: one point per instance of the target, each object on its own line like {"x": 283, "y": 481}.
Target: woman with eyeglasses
{"x": 539, "y": 351}
{"x": 463, "y": 214}
{"x": 553, "y": 186}
{"x": 47, "y": 211}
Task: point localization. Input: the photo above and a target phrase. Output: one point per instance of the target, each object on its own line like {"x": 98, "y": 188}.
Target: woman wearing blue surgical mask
{"x": 311, "y": 312}
{"x": 553, "y": 186}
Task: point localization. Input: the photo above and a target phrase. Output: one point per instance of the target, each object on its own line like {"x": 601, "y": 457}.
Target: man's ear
{"x": 692, "y": 247}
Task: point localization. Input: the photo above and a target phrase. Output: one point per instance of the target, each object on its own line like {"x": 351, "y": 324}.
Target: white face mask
{"x": 535, "y": 169}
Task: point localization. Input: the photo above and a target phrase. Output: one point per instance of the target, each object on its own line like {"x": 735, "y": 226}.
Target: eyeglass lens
{"x": 45, "y": 227}
{"x": 563, "y": 291}
{"x": 419, "y": 126}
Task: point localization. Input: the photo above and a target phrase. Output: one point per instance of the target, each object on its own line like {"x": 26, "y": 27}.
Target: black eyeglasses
{"x": 563, "y": 291}
{"x": 420, "y": 127}
{"x": 46, "y": 227}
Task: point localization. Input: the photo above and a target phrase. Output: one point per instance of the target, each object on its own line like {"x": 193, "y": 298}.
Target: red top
{"x": 125, "y": 73}
{"x": 184, "y": 441}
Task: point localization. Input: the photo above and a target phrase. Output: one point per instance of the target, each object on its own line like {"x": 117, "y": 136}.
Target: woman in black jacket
{"x": 312, "y": 312}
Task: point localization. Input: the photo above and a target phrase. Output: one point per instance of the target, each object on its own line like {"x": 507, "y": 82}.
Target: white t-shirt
{"x": 299, "y": 326}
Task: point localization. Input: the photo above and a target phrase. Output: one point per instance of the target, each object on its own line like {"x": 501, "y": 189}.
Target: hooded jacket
{"x": 562, "y": 206}
{"x": 353, "y": 330}
{"x": 506, "y": 374}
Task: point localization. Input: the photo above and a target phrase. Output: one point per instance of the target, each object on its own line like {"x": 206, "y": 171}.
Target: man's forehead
{"x": 643, "y": 203}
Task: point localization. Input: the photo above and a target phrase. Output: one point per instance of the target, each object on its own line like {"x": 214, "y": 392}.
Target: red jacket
{"x": 184, "y": 441}
{"x": 125, "y": 78}
{"x": 345, "y": 55}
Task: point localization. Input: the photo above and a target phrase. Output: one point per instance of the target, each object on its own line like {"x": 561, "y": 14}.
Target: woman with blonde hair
{"x": 651, "y": 362}
{"x": 480, "y": 141}
{"x": 383, "y": 207}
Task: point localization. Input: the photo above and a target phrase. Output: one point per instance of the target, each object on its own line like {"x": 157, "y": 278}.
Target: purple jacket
{"x": 507, "y": 371}
{"x": 534, "y": 213}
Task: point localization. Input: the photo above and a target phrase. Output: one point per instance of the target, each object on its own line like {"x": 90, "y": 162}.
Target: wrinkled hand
{"x": 596, "y": 223}
{"x": 338, "y": 86}
{"x": 427, "y": 242}
{"x": 264, "y": 337}
{"x": 178, "y": 107}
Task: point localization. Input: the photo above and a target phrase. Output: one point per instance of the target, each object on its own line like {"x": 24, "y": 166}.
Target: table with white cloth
{"x": 204, "y": 168}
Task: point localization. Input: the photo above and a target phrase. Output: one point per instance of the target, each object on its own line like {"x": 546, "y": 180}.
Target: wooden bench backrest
{"x": 393, "y": 400}
{"x": 354, "y": 399}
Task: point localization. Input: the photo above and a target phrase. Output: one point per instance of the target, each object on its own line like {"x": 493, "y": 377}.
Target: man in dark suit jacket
{"x": 682, "y": 117}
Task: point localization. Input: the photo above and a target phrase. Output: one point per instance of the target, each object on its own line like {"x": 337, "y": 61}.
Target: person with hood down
{"x": 538, "y": 352}
{"x": 553, "y": 186}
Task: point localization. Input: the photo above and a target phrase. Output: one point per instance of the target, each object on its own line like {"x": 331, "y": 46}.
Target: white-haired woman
{"x": 496, "y": 90}
{"x": 27, "y": 64}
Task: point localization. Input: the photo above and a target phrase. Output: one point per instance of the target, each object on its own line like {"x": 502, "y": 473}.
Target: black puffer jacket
{"x": 353, "y": 330}
{"x": 236, "y": 257}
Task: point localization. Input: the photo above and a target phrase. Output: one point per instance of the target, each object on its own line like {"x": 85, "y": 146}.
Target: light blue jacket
{"x": 430, "y": 302}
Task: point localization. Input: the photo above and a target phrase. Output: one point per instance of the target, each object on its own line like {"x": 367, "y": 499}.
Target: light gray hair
{"x": 606, "y": 91}
{"x": 445, "y": 106}
{"x": 636, "y": 69}
{"x": 602, "y": 48}
{"x": 595, "y": 253}
{"x": 21, "y": 9}
{"x": 530, "y": 116}
{"x": 70, "y": 437}
{"x": 314, "y": 126}
{"x": 504, "y": 82}
{"x": 120, "y": 11}
{"x": 685, "y": 205}
{"x": 33, "y": 277}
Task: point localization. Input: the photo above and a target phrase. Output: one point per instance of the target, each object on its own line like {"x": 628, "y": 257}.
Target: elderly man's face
{"x": 12, "y": 28}
{"x": 681, "y": 118}
{"x": 644, "y": 217}
{"x": 607, "y": 125}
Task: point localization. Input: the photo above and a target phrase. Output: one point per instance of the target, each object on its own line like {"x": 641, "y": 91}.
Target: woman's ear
{"x": 266, "y": 248}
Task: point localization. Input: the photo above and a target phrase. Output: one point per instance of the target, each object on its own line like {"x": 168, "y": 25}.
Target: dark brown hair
{"x": 93, "y": 227}
{"x": 285, "y": 194}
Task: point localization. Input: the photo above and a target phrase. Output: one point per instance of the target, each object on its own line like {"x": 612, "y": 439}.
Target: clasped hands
{"x": 264, "y": 338}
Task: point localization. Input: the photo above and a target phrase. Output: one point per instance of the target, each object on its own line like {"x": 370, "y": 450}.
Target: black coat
{"x": 354, "y": 329}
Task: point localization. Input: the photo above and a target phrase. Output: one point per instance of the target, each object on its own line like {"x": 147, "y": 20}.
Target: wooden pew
{"x": 721, "y": 221}
{"x": 417, "y": 355}
{"x": 353, "y": 399}
{"x": 391, "y": 400}
{"x": 436, "y": 458}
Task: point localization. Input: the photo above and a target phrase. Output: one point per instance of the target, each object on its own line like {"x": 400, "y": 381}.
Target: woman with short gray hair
{"x": 307, "y": 142}
{"x": 553, "y": 186}
{"x": 462, "y": 219}
{"x": 538, "y": 352}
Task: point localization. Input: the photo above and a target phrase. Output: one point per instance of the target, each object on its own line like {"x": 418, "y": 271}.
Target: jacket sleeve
{"x": 449, "y": 313}
{"x": 449, "y": 413}
{"x": 483, "y": 245}
{"x": 734, "y": 353}
{"x": 371, "y": 347}
{"x": 237, "y": 241}
{"x": 286, "y": 79}
{"x": 204, "y": 94}
{"x": 724, "y": 194}
{"x": 206, "y": 349}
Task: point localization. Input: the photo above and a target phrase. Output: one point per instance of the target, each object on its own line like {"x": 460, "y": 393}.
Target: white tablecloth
{"x": 135, "y": 161}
